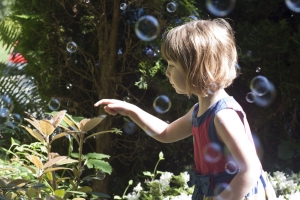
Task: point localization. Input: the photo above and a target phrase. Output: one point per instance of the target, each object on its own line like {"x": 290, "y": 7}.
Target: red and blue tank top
{"x": 210, "y": 154}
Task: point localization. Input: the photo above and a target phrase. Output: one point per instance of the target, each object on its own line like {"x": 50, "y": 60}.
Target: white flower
{"x": 138, "y": 188}
{"x": 165, "y": 179}
{"x": 186, "y": 177}
{"x": 295, "y": 196}
{"x": 133, "y": 196}
{"x": 182, "y": 196}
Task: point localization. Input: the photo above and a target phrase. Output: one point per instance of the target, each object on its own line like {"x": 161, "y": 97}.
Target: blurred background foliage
{"x": 112, "y": 62}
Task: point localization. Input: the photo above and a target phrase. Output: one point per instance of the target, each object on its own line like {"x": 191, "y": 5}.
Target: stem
{"x": 154, "y": 172}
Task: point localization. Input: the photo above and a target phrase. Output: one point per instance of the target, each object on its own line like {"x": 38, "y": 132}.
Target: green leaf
{"x": 59, "y": 193}
{"x": 148, "y": 174}
{"x": 99, "y": 164}
{"x": 97, "y": 155}
{"x": 117, "y": 197}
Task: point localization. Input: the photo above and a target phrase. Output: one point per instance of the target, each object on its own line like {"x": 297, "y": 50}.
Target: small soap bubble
{"x": 54, "y": 104}
{"x": 71, "y": 47}
{"x": 212, "y": 152}
{"x": 172, "y": 7}
{"x": 267, "y": 98}
{"x": 31, "y": 79}
{"x": 250, "y": 97}
{"x": 130, "y": 127}
{"x": 100, "y": 175}
{"x": 87, "y": 1}
{"x": 123, "y": 6}
{"x": 220, "y": 8}
{"x": 249, "y": 53}
{"x": 127, "y": 99}
{"x": 231, "y": 167}
{"x": 258, "y": 69}
{"x": 147, "y": 28}
{"x": 162, "y": 104}
{"x": 259, "y": 85}
{"x": 5, "y": 101}
{"x": 4, "y": 114}
{"x": 15, "y": 120}
{"x": 293, "y": 5}
{"x": 69, "y": 86}
{"x": 238, "y": 69}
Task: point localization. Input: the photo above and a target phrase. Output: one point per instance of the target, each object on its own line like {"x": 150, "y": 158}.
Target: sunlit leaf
{"x": 85, "y": 189}
{"x": 54, "y": 161}
{"x": 49, "y": 176}
{"x": 83, "y": 122}
{"x": 55, "y": 169}
{"x": 35, "y": 134}
{"x": 59, "y": 193}
{"x": 36, "y": 124}
{"x": 92, "y": 123}
{"x": 46, "y": 127}
{"x": 97, "y": 155}
{"x": 58, "y": 117}
{"x": 36, "y": 161}
{"x": 99, "y": 164}
{"x": 66, "y": 161}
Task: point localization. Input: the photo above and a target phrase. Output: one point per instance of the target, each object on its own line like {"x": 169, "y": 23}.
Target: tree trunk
{"x": 106, "y": 86}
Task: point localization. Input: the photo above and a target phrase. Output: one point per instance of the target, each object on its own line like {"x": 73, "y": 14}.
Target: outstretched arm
{"x": 231, "y": 131}
{"x": 153, "y": 126}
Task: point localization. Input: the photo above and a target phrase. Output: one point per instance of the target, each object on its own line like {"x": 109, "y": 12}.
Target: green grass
{"x": 3, "y": 53}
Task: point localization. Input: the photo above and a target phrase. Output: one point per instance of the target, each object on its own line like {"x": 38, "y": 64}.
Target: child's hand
{"x": 114, "y": 107}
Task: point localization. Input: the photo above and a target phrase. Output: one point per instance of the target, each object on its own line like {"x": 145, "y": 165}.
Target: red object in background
{"x": 17, "y": 58}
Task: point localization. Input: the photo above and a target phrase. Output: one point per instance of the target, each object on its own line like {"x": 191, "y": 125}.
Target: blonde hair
{"x": 206, "y": 52}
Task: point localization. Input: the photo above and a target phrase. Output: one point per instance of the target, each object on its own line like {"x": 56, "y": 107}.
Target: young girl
{"x": 201, "y": 59}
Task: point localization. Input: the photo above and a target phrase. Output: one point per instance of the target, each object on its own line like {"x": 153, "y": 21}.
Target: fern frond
{"x": 9, "y": 32}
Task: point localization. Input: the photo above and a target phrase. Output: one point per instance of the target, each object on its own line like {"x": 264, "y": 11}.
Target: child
{"x": 201, "y": 59}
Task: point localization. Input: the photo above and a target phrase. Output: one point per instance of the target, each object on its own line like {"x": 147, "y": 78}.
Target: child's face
{"x": 176, "y": 77}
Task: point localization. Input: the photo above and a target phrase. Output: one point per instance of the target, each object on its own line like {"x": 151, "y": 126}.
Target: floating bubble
{"x": 172, "y": 7}
{"x": 212, "y": 152}
{"x": 71, "y": 47}
{"x": 130, "y": 127}
{"x": 87, "y": 1}
{"x": 100, "y": 175}
{"x": 259, "y": 85}
{"x": 123, "y": 6}
{"x": 250, "y": 97}
{"x": 147, "y": 28}
{"x": 15, "y": 120}
{"x": 4, "y": 114}
{"x": 69, "y": 86}
{"x": 293, "y": 5}
{"x": 220, "y": 187}
{"x": 258, "y": 69}
{"x": 127, "y": 99}
{"x": 162, "y": 104}
{"x": 31, "y": 79}
{"x": 5, "y": 101}
{"x": 249, "y": 53}
{"x": 268, "y": 98}
{"x": 231, "y": 167}
{"x": 238, "y": 69}
{"x": 220, "y": 8}
{"x": 54, "y": 104}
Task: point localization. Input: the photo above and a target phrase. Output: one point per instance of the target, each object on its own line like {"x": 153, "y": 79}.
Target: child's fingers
{"x": 110, "y": 111}
{"x": 106, "y": 102}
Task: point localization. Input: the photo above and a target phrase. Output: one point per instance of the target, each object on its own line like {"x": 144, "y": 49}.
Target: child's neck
{"x": 207, "y": 102}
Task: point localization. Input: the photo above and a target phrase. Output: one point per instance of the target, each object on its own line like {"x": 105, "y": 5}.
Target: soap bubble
{"x": 69, "y": 86}
{"x": 100, "y": 175}
{"x": 259, "y": 85}
{"x": 162, "y": 104}
{"x": 267, "y": 98}
{"x": 71, "y": 47}
{"x": 127, "y": 99}
{"x": 147, "y": 28}
{"x": 15, "y": 120}
{"x": 293, "y": 5}
{"x": 123, "y": 6}
{"x": 4, "y": 113}
{"x": 172, "y": 7}
{"x": 212, "y": 152}
{"x": 54, "y": 104}
{"x": 130, "y": 127}
{"x": 258, "y": 69}
{"x": 250, "y": 97}
{"x": 231, "y": 167}
{"x": 220, "y": 8}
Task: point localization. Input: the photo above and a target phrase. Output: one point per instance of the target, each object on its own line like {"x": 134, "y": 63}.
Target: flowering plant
{"x": 287, "y": 187}
{"x": 171, "y": 187}
{"x": 167, "y": 187}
